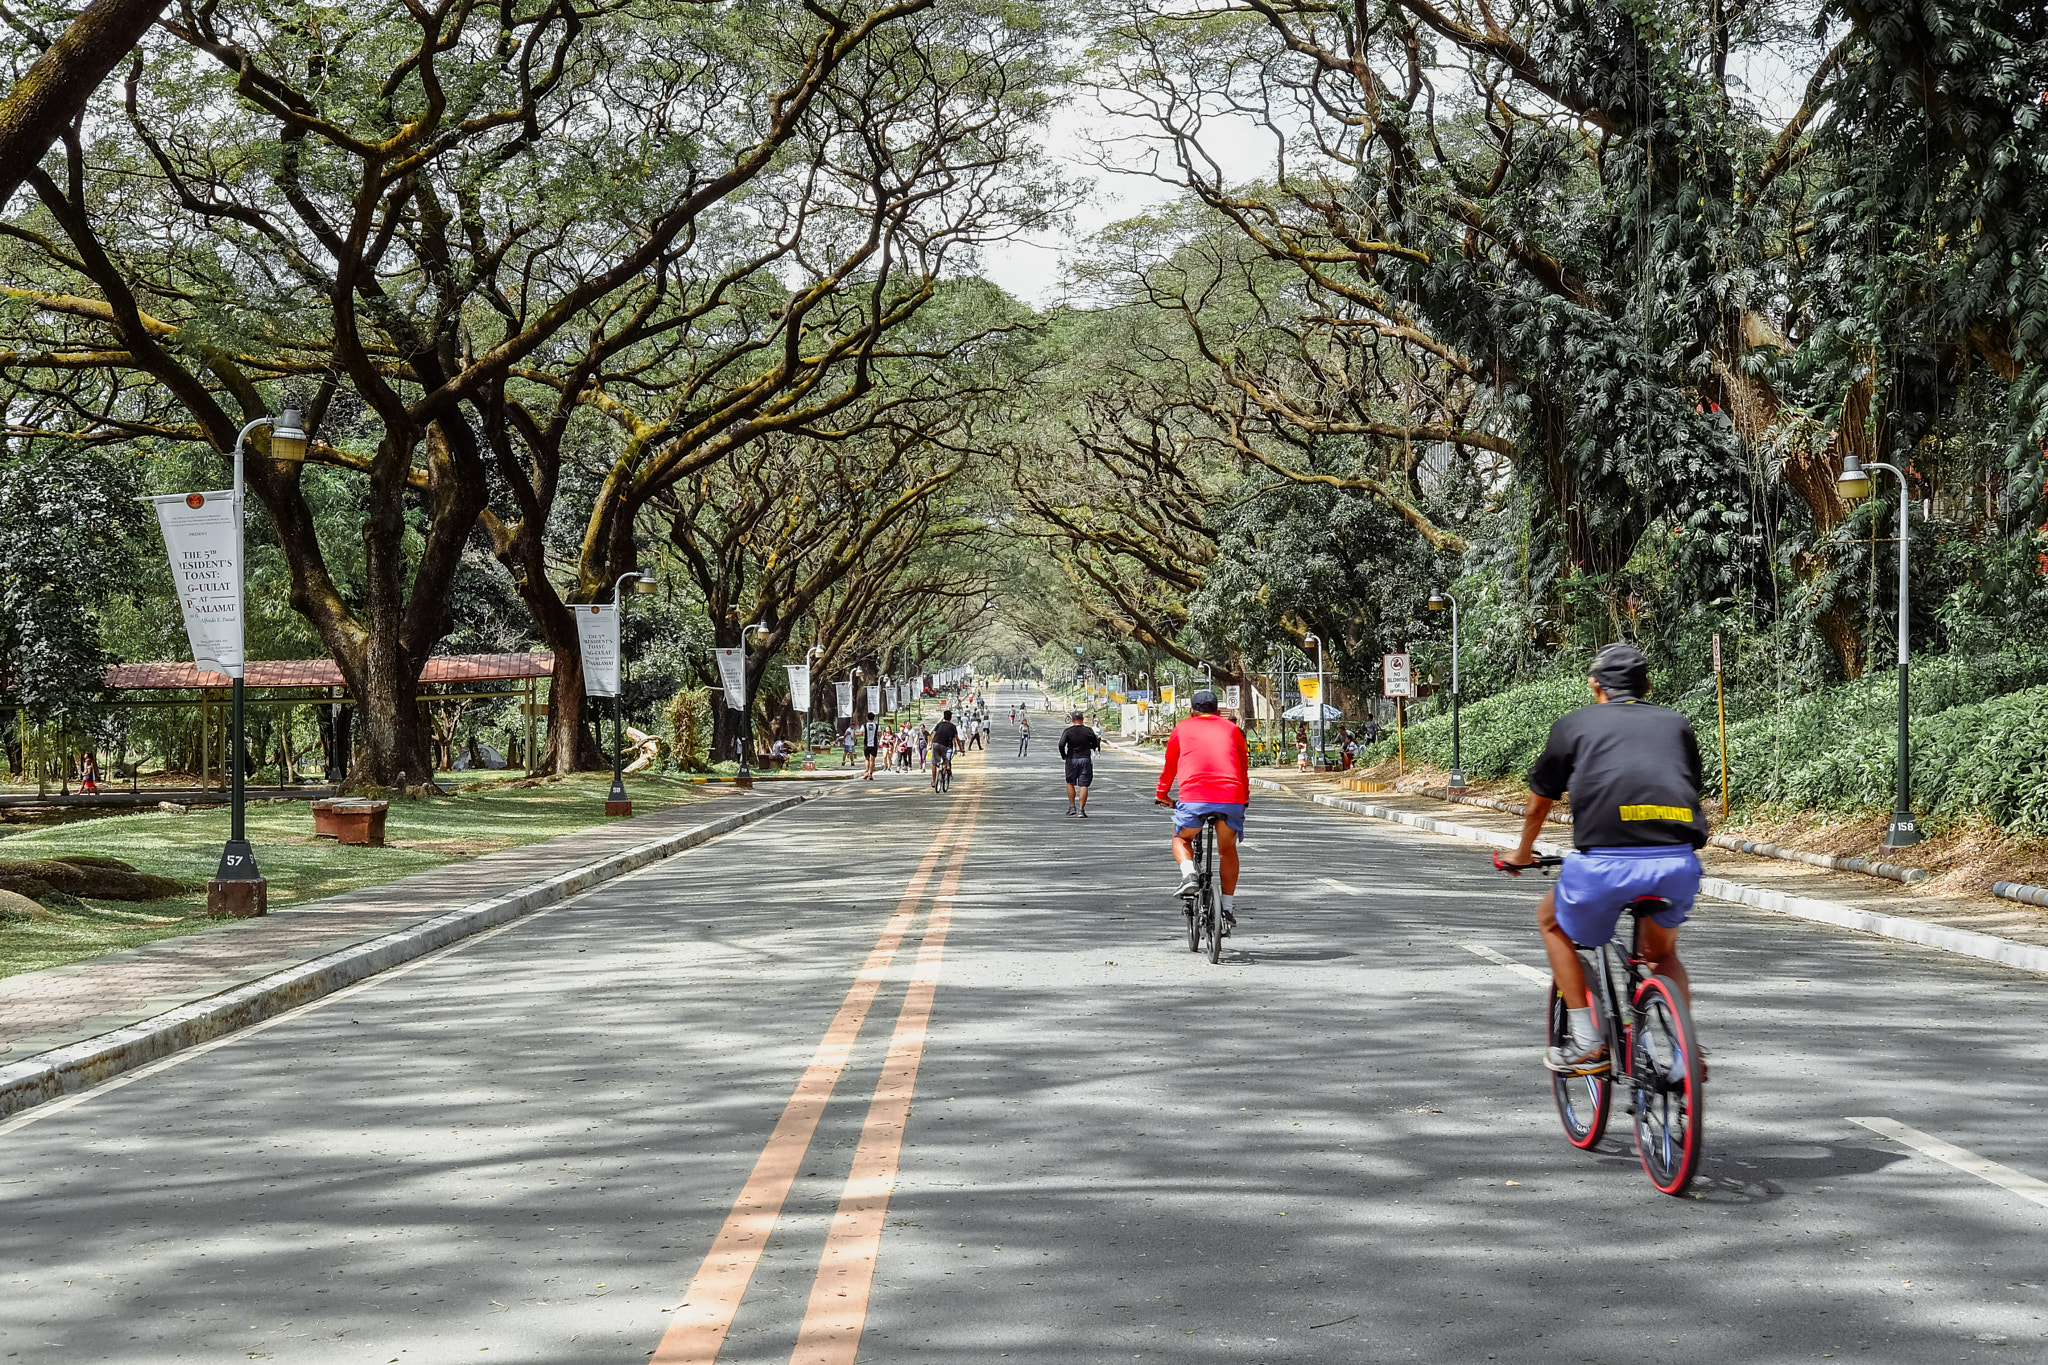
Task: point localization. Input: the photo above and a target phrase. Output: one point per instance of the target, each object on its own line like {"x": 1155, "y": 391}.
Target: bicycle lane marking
{"x": 705, "y": 1314}
{"x": 1962, "y": 1158}
{"x": 838, "y": 1309}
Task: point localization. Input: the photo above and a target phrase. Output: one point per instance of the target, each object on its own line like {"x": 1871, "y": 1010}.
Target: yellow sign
{"x": 1166, "y": 698}
{"x": 1311, "y": 687}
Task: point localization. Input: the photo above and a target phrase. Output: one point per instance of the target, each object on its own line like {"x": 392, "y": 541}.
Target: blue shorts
{"x": 1188, "y": 814}
{"x": 1593, "y": 887}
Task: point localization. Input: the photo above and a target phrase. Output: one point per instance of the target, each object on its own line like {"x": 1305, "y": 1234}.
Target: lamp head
{"x": 288, "y": 439}
{"x": 1436, "y": 602}
{"x": 644, "y": 585}
{"x": 1854, "y": 483}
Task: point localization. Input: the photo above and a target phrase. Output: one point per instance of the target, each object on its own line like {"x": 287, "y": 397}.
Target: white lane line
{"x": 1346, "y": 888}
{"x": 1521, "y": 969}
{"x": 2025, "y": 1186}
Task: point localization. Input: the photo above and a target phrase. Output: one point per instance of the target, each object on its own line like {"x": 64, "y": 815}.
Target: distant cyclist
{"x": 1078, "y": 743}
{"x": 1207, "y": 753}
{"x": 1633, "y": 770}
{"x": 945, "y": 738}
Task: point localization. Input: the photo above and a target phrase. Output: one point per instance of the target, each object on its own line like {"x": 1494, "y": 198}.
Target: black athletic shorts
{"x": 1081, "y": 772}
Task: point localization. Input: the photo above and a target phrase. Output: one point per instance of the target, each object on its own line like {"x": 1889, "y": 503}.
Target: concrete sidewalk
{"x": 1870, "y": 896}
{"x": 62, "y": 1005}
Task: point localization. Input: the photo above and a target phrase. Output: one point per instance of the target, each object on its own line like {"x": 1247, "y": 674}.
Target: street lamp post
{"x": 1436, "y": 603}
{"x": 1316, "y": 761}
{"x": 238, "y": 888}
{"x": 1855, "y": 485}
{"x": 810, "y": 761}
{"x": 745, "y": 776}
{"x": 616, "y": 802}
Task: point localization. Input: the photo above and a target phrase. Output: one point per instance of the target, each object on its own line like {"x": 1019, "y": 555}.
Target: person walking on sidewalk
{"x": 1078, "y": 743}
{"x": 846, "y": 746}
{"x": 871, "y": 735}
{"x": 1024, "y": 737}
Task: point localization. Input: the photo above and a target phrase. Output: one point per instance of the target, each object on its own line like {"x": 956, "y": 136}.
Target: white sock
{"x": 1229, "y": 901}
{"x": 1585, "y": 1026}
{"x": 1187, "y": 865}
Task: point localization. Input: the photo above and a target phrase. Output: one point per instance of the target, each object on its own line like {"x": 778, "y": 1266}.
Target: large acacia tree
{"x": 377, "y": 215}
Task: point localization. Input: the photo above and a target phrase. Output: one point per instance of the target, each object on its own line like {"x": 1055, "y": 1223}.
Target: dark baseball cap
{"x": 1203, "y": 700}
{"x": 1076, "y": 715}
{"x": 1622, "y": 672}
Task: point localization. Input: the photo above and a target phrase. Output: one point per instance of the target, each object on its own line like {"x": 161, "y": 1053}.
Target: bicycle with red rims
{"x": 1656, "y": 1048}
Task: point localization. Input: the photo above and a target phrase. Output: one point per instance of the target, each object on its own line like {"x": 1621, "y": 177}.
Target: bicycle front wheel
{"x": 1582, "y": 1101}
{"x": 1664, "y": 1068}
{"x": 1212, "y": 920}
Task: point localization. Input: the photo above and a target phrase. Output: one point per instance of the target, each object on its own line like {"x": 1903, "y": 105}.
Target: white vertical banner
{"x": 202, "y": 532}
{"x": 597, "y": 633}
{"x": 845, "y": 690}
{"x": 732, "y": 671}
{"x": 874, "y": 701}
{"x": 799, "y": 687}
{"x": 1262, "y": 709}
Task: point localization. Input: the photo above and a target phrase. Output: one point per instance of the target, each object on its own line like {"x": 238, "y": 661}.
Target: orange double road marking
{"x": 838, "y": 1310}
{"x": 697, "y": 1331}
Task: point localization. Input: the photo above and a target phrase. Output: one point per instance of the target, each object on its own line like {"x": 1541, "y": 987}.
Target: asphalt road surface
{"x": 934, "y": 1078}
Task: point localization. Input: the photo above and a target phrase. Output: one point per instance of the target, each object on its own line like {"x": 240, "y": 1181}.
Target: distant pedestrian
{"x": 1024, "y": 737}
{"x": 846, "y": 747}
{"x": 924, "y": 744}
{"x": 871, "y": 744}
{"x": 89, "y": 775}
{"x": 1372, "y": 731}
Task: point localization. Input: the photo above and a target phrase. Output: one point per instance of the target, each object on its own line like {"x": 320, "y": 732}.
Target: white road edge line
{"x": 1521, "y": 969}
{"x": 2019, "y": 1183}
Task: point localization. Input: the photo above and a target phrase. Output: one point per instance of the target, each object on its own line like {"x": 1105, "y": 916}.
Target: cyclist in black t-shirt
{"x": 945, "y": 738}
{"x": 1078, "y": 744}
{"x": 1633, "y": 771}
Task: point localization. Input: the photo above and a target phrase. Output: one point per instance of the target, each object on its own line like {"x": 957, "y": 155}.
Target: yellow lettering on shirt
{"x": 1657, "y": 813}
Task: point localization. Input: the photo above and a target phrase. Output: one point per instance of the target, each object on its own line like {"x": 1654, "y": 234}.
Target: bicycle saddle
{"x": 1647, "y": 905}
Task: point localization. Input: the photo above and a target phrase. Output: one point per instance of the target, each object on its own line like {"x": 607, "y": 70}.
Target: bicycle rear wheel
{"x": 1582, "y": 1101}
{"x": 1212, "y": 899}
{"x": 1664, "y": 1068}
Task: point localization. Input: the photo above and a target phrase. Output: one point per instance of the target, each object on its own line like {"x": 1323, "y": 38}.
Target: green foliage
{"x": 70, "y": 517}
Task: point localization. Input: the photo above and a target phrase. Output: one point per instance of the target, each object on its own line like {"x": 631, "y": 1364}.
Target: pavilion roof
{"x": 442, "y": 668}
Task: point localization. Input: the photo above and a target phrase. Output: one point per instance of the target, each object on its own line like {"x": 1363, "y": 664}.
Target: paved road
{"x": 677, "y": 1116}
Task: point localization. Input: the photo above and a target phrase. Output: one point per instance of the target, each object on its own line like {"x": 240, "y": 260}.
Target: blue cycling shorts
{"x": 1594, "y": 886}
{"x": 1188, "y": 814}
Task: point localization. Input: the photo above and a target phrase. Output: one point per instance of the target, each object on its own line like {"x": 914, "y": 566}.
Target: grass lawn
{"x": 419, "y": 835}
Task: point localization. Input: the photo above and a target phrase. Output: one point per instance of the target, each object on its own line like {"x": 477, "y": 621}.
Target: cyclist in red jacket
{"x": 1207, "y": 753}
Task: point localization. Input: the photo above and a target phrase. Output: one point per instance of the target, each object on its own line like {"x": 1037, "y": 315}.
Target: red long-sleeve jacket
{"x": 1208, "y": 754}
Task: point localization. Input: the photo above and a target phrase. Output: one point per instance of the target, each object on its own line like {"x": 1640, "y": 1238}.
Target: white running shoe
{"x": 1189, "y": 881}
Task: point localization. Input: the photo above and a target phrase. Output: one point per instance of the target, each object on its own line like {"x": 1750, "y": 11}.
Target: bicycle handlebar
{"x": 1501, "y": 864}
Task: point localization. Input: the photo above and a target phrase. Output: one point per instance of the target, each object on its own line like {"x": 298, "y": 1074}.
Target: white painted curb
{"x": 60, "y": 1071}
{"x": 1966, "y": 942}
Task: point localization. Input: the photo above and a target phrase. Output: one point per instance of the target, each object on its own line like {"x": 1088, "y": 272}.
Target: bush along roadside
{"x": 1979, "y": 740}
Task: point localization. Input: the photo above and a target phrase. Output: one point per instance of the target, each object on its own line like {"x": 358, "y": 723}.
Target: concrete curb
{"x": 1967, "y": 942}
{"x": 61, "y": 1071}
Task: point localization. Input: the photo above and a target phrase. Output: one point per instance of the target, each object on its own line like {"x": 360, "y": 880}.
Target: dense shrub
{"x": 1979, "y": 734}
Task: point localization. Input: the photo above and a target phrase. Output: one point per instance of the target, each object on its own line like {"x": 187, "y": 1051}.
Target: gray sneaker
{"x": 1573, "y": 1059}
{"x": 1189, "y": 882}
